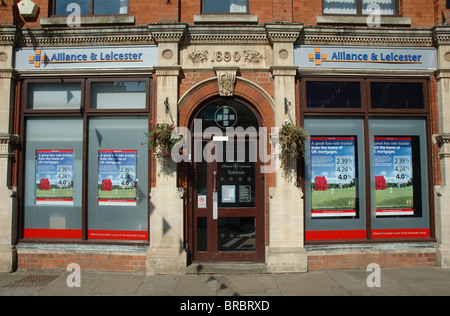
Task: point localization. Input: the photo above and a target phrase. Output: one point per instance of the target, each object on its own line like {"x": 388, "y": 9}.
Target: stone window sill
{"x": 362, "y": 20}
{"x": 225, "y": 18}
{"x": 90, "y": 20}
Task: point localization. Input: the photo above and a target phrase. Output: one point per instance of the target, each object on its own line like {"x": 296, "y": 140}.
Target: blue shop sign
{"x": 350, "y": 57}
{"x": 54, "y": 58}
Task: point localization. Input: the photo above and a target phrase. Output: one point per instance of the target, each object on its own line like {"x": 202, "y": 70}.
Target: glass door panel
{"x": 231, "y": 232}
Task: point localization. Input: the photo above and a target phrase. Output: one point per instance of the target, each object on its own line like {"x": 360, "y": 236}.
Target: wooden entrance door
{"x": 227, "y": 209}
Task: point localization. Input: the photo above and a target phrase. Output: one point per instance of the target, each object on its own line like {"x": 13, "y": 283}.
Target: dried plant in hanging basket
{"x": 292, "y": 140}
{"x": 161, "y": 141}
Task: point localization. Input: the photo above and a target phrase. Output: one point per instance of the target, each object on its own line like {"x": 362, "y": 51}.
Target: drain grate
{"x": 34, "y": 281}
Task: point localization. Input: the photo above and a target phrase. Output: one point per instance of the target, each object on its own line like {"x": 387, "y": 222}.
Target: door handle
{"x": 215, "y": 198}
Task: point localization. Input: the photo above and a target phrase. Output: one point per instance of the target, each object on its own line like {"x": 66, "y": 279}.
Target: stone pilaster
{"x": 7, "y": 250}
{"x": 286, "y": 252}
{"x": 442, "y": 197}
{"x": 442, "y": 200}
{"x": 166, "y": 252}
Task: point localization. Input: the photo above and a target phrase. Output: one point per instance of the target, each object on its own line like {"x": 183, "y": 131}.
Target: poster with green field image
{"x": 394, "y": 193}
{"x": 117, "y": 183}
{"x": 54, "y": 177}
{"x": 333, "y": 177}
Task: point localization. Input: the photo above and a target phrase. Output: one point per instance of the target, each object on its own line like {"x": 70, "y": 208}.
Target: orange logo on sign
{"x": 37, "y": 59}
{"x": 317, "y": 57}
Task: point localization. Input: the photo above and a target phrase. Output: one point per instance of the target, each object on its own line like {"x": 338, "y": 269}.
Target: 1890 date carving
{"x": 251, "y": 56}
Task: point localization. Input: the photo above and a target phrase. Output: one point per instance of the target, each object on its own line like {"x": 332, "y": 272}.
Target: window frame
{"x": 90, "y": 13}
{"x": 402, "y": 80}
{"x": 25, "y": 90}
{"x": 90, "y": 81}
{"x": 304, "y": 100}
{"x": 84, "y": 113}
{"x": 365, "y": 95}
{"x": 366, "y": 113}
{"x": 359, "y": 10}
{"x": 225, "y": 13}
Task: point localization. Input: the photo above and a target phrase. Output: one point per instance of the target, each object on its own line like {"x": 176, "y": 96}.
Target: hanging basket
{"x": 292, "y": 140}
{"x": 161, "y": 139}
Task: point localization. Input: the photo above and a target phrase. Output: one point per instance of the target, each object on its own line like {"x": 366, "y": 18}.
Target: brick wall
{"x": 441, "y": 13}
{"x": 263, "y": 9}
{"x": 305, "y": 11}
{"x": 7, "y": 13}
{"x": 187, "y": 10}
{"x": 93, "y": 262}
{"x": 146, "y": 12}
{"x": 361, "y": 261}
{"x": 422, "y": 13}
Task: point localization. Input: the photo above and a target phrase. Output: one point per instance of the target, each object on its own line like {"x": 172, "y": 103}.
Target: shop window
{"x": 399, "y": 158}
{"x": 53, "y": 178}
{"x": 86, "y": 173}
{"x": 397, "y": 95}
{"x": 54, "y": 95}
{"x": 117, "y": 203}
{"x": 366, "y": 175}
{"x": 328, "y": 95}
{"x": 334, "y": 162}
{"x": 91, "y": 7}
{"x": 358, "y": 7}
{"x": 118, "y": 95}
{"x": 226, "y": 6}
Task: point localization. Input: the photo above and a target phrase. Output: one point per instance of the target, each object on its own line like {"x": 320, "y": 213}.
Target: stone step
{"x": 227, "y": 268}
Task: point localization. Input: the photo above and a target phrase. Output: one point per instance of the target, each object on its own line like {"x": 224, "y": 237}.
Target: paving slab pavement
{"x": 417, "y": 281}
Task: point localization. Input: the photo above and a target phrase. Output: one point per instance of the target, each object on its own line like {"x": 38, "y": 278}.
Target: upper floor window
{"x": 225, "y": 6}
{"x": 90, "y": 7}
{"x": 359, "y": 7}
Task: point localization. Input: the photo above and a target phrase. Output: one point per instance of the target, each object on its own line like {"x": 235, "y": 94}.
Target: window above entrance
{"x": 227, "y": 114}
{"x": 226, "y": 6}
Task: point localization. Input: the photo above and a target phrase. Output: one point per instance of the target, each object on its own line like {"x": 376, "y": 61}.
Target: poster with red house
{"x": 106, "y": 185}
{"x": 380, "y": 183}
{"x": 54, "y": 177}
{"x": 44, "y": 185}
{"x": 394, "y": 176}
{"x": 333, "y": 192}
{"x": 320, "y": 184}
{"x": 117, "y": 184}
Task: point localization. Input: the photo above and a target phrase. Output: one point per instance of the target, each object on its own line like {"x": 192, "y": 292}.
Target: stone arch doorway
{"x": 226, "y": 216}
{"x": 226, "y": 205}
